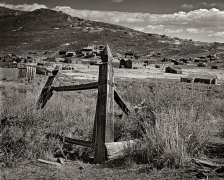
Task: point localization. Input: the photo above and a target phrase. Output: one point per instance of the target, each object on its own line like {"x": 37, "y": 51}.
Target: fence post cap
{"x": 106, "y": 55}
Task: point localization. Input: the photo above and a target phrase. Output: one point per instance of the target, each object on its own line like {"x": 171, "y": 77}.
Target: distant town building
{"x": 129, "y": 55}
{"x": 68, "y": 67}
{"x": 70, "y": 53}
{"x": 206, "y": 79}
{"x": 62, "y": 52}
{"x": 126, "y": 63}
{"x": 173, "y": 70}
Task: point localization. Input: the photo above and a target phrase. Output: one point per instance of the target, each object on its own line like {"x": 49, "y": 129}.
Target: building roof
{"x": 115, "y": 60}
{"x": 175, "y": 68}
{"x": 202, "y": 76}
{"x": 86, "y": 49}
{"x": 126, "y": 59}
{"x": 129, "y": 53}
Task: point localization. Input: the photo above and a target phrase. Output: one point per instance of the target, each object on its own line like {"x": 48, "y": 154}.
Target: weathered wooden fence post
{"x": 104, "y": 121}
{"x": 103, "y": 132}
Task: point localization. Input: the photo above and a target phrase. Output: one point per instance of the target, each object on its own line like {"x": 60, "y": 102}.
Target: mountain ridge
{"x": 45, "y": 29}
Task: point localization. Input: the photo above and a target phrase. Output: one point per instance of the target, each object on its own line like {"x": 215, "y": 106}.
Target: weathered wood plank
{"x": 76, "y": 87}
{"x": 50, "y": 162}
{"x": 104, "y": 131}
{"x": 71, "y": 140}
{"x": 121, "y": 103}
{"x": 46, "y": 92}
{"x": 117, "y": 150}
{"x": 208, "y": 163}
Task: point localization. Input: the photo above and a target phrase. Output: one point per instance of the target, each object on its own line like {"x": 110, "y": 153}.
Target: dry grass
{"x": 183, "y": 118}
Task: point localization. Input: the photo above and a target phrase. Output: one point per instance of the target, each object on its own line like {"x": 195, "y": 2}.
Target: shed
{"x": 207, "y": 79}
{"x": 214, "y": 67}
{"x": 128, "y": 64}
{"x": 68, "y": 67}
{"x": 201, "y": 64}
{"x": 42, "y": 70}
{"x": 129, "y": 54}
{"x": 85, "y": 61}
{"x": 146, "y": 62}
{"x": 86, "y": 51}
{"x": 186, "y": 79}
{"x": 122, "y": 62}
{"x": 70, "y": 53}
{"x": 173, "y": 70}
{"x": 62, "y": 52}
{"x": 93, "y": 62}
{"x": 116, "y": 63}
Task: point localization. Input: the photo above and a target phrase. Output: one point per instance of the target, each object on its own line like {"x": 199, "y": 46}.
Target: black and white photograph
{"x": 111, "y": 89}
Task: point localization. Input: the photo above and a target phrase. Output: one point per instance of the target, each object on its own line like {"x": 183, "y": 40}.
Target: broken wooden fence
{"x": 103, "y": 131}
{"x": 26, "y": 71}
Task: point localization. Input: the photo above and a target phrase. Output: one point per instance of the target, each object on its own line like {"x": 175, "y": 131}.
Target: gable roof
{"x": 202, "y": 76}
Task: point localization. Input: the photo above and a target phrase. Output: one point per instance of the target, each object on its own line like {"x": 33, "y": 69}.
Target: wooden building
{"x": 186, "y": 79}
{"x": 199, "y": 78}
{"x": 115, "y": 63}
{"x": 206, "y": 79}
{"x": 68, "y": 67}
{"x": 173, "y": 70}
{"x": 126, "y": 63}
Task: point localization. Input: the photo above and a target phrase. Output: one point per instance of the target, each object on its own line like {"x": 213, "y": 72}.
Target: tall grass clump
{"x": 183, "y": 116}
{"x": 23, "y": 128}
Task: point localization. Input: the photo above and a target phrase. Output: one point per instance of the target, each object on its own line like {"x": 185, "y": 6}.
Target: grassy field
{"x": 185, "y": 117}
{"x": 9, "y": 74}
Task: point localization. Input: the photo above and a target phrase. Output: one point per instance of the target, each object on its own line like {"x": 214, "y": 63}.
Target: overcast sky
{"x": 187, "y": 19}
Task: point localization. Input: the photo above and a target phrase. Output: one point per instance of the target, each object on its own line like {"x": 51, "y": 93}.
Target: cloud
{"x": 105, "y": 16}
{"x": 207, "y": 5}
{"x": 117, "y": 1}
{"x": 24, "y": 7}
{"x": 155, "y": 27}
{"x": 173, "y": 31}
{"x": 187, "y": 6}
{"x": 219, "y": 34}
{"x": 195, "y": 22}
{"x": 192, "y": 30}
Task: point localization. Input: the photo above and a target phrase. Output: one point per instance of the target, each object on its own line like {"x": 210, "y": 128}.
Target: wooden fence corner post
{"x": 104, "y": 120}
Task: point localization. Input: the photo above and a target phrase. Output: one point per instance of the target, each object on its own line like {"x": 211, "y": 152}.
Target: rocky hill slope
{"x": 48, "y": 30}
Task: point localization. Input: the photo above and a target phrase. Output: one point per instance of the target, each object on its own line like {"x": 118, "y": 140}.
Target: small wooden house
{"x": 201, "y": 64}
{"x": 186, "y": 79}
{"x": 214, "y": 67}
{"x": 129, "y": 55}
{"x": 128, "y": 64}
{"x": 85, "y": 61}
{"x": 62, "y": 52}
{"x": 42, "y": 70}
{"x": 122, "y": 62}
{"x": 116, "y": 63}
{"x": 206, "y": 79}
{"x": 173, "y": 70}
{"x": 70, "y": 53}
{"x": 68, "y": 67}
{"x": 93, "y": 62}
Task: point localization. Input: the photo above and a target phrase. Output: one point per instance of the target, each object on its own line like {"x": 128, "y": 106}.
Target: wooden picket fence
{"x": 26, "y": 71}
{"x": 103, "y": 130}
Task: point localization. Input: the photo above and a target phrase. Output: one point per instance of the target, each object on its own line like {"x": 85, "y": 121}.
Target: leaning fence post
{"x": 104, "y": 122}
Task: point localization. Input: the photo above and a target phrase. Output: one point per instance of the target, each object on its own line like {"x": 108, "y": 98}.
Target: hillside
{"x": 9, "y": 12}
{"x": 48, "y": 30}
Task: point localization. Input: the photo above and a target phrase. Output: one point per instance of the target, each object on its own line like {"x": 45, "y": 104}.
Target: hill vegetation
{"x": 45, "y": 29}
